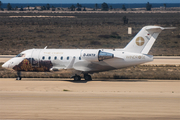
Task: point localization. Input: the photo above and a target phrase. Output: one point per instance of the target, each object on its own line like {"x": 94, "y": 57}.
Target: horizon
{"x": 91, "y": 5}
{"x": 88, "y": 1}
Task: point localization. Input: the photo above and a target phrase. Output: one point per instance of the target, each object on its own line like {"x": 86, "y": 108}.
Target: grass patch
{"x": 65, "y": 90}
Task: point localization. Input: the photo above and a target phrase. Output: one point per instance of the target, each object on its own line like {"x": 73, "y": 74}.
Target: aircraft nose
{"x": 12, "y": 62}
{"x": 5, "y": 65}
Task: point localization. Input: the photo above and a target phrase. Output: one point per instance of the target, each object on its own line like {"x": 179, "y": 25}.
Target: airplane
{"x": 87, "y": 61}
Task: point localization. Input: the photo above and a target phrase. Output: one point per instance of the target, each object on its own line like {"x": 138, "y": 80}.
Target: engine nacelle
{"x": 105, "y": 55}
{"x": 96, "y": 55}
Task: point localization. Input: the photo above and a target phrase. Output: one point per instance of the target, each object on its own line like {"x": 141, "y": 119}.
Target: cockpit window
{"x": 20, "y": 55}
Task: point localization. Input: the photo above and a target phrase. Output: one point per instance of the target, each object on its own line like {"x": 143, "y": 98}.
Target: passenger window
{"x": 55, "y": 58}
{"x": 61, "y": 58}
{"x": 43, "y": 57}
{"x": 79, "y": 58}
{"x": 67, "y": 58}
{"x": 49, "y": 58}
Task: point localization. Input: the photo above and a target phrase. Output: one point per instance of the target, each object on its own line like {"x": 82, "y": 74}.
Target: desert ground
{"x": 50, "y": 98}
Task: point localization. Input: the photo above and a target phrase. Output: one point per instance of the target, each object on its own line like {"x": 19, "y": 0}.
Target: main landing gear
{"x": 19, "y": 75}
{"x": 77, "y": 78}
{"x": 86, "y": 77}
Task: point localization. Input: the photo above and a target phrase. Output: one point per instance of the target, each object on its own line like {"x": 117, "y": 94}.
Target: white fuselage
{"x": 84, "y": 60}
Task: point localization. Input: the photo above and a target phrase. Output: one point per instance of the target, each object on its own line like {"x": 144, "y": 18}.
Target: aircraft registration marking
{"x": 89, "y": 54}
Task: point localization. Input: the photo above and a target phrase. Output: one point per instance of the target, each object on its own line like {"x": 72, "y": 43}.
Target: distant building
{"x": 30, "y": 8}
{"x": 37, "y": 7}
{"x": 162, "y": 8}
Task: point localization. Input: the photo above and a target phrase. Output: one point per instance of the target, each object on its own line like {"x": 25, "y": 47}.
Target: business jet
{"x": 87, "y": 61}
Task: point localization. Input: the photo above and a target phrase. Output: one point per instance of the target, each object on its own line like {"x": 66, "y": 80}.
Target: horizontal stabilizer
{"x": 170, "y": 27}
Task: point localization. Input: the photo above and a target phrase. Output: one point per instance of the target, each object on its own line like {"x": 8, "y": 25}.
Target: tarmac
{"x": 65, "y": 99}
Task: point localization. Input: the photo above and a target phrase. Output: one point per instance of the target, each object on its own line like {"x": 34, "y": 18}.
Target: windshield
{"x": 20, "y": 55}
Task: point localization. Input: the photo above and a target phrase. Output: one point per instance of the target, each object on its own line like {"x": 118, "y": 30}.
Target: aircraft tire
{"x": 18, "y": 78}
{"x": 87, "y": 77}
{"x": 77, "y": 78}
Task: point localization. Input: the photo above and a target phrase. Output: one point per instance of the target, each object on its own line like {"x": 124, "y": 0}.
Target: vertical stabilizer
{"x": 144, "y": 40}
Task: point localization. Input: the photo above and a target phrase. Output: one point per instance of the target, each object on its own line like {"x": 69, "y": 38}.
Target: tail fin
{"x": 144, "y": 40}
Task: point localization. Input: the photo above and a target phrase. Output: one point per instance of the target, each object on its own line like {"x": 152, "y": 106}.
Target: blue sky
{"x": 90, "y": 1}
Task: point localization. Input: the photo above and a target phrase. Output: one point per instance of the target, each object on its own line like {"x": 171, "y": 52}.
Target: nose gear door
{"x": 35, "y": 58}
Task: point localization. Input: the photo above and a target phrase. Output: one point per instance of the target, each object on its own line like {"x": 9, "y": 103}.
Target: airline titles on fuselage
{"x": 53, "y": 53}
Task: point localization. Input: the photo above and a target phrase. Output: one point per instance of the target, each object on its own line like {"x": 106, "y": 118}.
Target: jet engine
{"x": 96, "y": 55}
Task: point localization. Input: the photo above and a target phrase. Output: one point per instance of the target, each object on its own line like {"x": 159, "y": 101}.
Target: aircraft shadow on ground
{"x": 118, "y": 80}
{"x": 85, "y": 81}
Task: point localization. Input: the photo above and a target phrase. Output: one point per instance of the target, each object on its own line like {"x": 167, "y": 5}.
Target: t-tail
{"x": 145, "y": 39}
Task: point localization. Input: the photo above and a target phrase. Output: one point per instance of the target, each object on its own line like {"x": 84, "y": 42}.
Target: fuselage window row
{"x": 55, "y": 58}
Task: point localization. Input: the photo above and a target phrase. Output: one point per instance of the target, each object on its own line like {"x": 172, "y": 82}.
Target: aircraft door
{"x": 35, "y": 58}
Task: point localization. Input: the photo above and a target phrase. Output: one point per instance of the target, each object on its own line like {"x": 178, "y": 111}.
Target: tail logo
{"x": 140, "y": 41}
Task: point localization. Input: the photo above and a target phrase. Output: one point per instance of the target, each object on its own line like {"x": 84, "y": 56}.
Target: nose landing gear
{"x": 19, "y": 75}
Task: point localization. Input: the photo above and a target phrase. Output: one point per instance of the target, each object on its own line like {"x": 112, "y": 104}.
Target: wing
{"x": 91, "y": 67}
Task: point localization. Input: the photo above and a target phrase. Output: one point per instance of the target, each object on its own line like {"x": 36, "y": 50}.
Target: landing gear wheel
{"x": 87, "y": 77}
{"x": 18, "y": 78}
{"x": 77, "y": 78}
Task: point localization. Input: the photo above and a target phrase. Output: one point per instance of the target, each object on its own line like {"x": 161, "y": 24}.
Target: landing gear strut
{"x": 19, "y": 75}
{"x": 87, "y": 77}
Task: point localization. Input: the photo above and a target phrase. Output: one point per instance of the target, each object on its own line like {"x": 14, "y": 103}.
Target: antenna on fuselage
{"x": 45, "y": 47}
